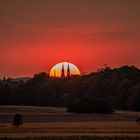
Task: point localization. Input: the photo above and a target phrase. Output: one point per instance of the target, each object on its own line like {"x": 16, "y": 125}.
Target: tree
{"x": 40, "y": 76}
{"x": 17, "y": 120}
{"x": 88, "y": 105}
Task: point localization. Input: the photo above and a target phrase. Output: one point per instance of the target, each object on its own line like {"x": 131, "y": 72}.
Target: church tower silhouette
{"x": 4, "y": 79}
{"x": 62, "y": 71}
{"x": 68, "y": 70}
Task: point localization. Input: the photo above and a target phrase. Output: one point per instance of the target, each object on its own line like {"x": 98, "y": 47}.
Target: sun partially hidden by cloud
{"x": 64, "y": 69}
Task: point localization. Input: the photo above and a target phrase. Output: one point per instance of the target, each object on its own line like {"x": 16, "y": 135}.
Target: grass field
{"x": 75, "y": 138}
{"x": 47, "y": 121}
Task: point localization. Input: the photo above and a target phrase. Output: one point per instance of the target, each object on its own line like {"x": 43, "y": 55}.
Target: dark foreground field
{"x": 56, "y": 122}
{"x": 75, "y": 138}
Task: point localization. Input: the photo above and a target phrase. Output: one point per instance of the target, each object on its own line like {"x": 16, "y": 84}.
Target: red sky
{"x": 37, "y": 34}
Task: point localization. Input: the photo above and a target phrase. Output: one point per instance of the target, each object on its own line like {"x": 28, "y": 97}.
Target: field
{"x": 75, "y": 138}
{"x": 48, "y": 121}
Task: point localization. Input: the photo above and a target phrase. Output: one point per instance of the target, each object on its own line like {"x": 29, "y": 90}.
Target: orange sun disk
{"x": 64, "y": 69}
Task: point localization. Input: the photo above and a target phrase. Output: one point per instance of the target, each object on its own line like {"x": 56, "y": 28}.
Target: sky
{"x": 37, "y": 34}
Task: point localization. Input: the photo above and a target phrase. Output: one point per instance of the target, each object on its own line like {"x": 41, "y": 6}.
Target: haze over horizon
{"x": 37, "y": 34}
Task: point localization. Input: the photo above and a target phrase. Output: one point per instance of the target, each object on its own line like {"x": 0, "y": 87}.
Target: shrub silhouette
{"x": 17, "y": 120}
{"x": 87, "y": 105}
{"x": 138, "y": 120}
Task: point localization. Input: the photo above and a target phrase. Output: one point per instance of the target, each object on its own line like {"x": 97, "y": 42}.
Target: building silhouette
{"x": 68, "y": 71}
{"x": 68, "y": 74}
{"x": 62, "y": 71}
{"x": 4, "y": 78}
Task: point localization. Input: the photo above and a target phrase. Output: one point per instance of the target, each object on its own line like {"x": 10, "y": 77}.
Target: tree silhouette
{"x": 120, "y": 87}
{"x": 17, "y": 120}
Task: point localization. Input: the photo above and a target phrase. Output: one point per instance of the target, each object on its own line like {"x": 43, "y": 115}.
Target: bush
{"x": 87, "y": 105}
{"x": 138, "y": 120}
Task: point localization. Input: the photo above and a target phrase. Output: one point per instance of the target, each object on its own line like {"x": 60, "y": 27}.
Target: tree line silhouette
{"x": 104, "y": 90}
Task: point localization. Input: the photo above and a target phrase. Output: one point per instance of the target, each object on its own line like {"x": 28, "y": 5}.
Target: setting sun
{"x": 64, "y": 69}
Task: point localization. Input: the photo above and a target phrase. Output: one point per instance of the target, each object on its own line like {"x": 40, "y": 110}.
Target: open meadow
{"x": 49, "y": 121}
